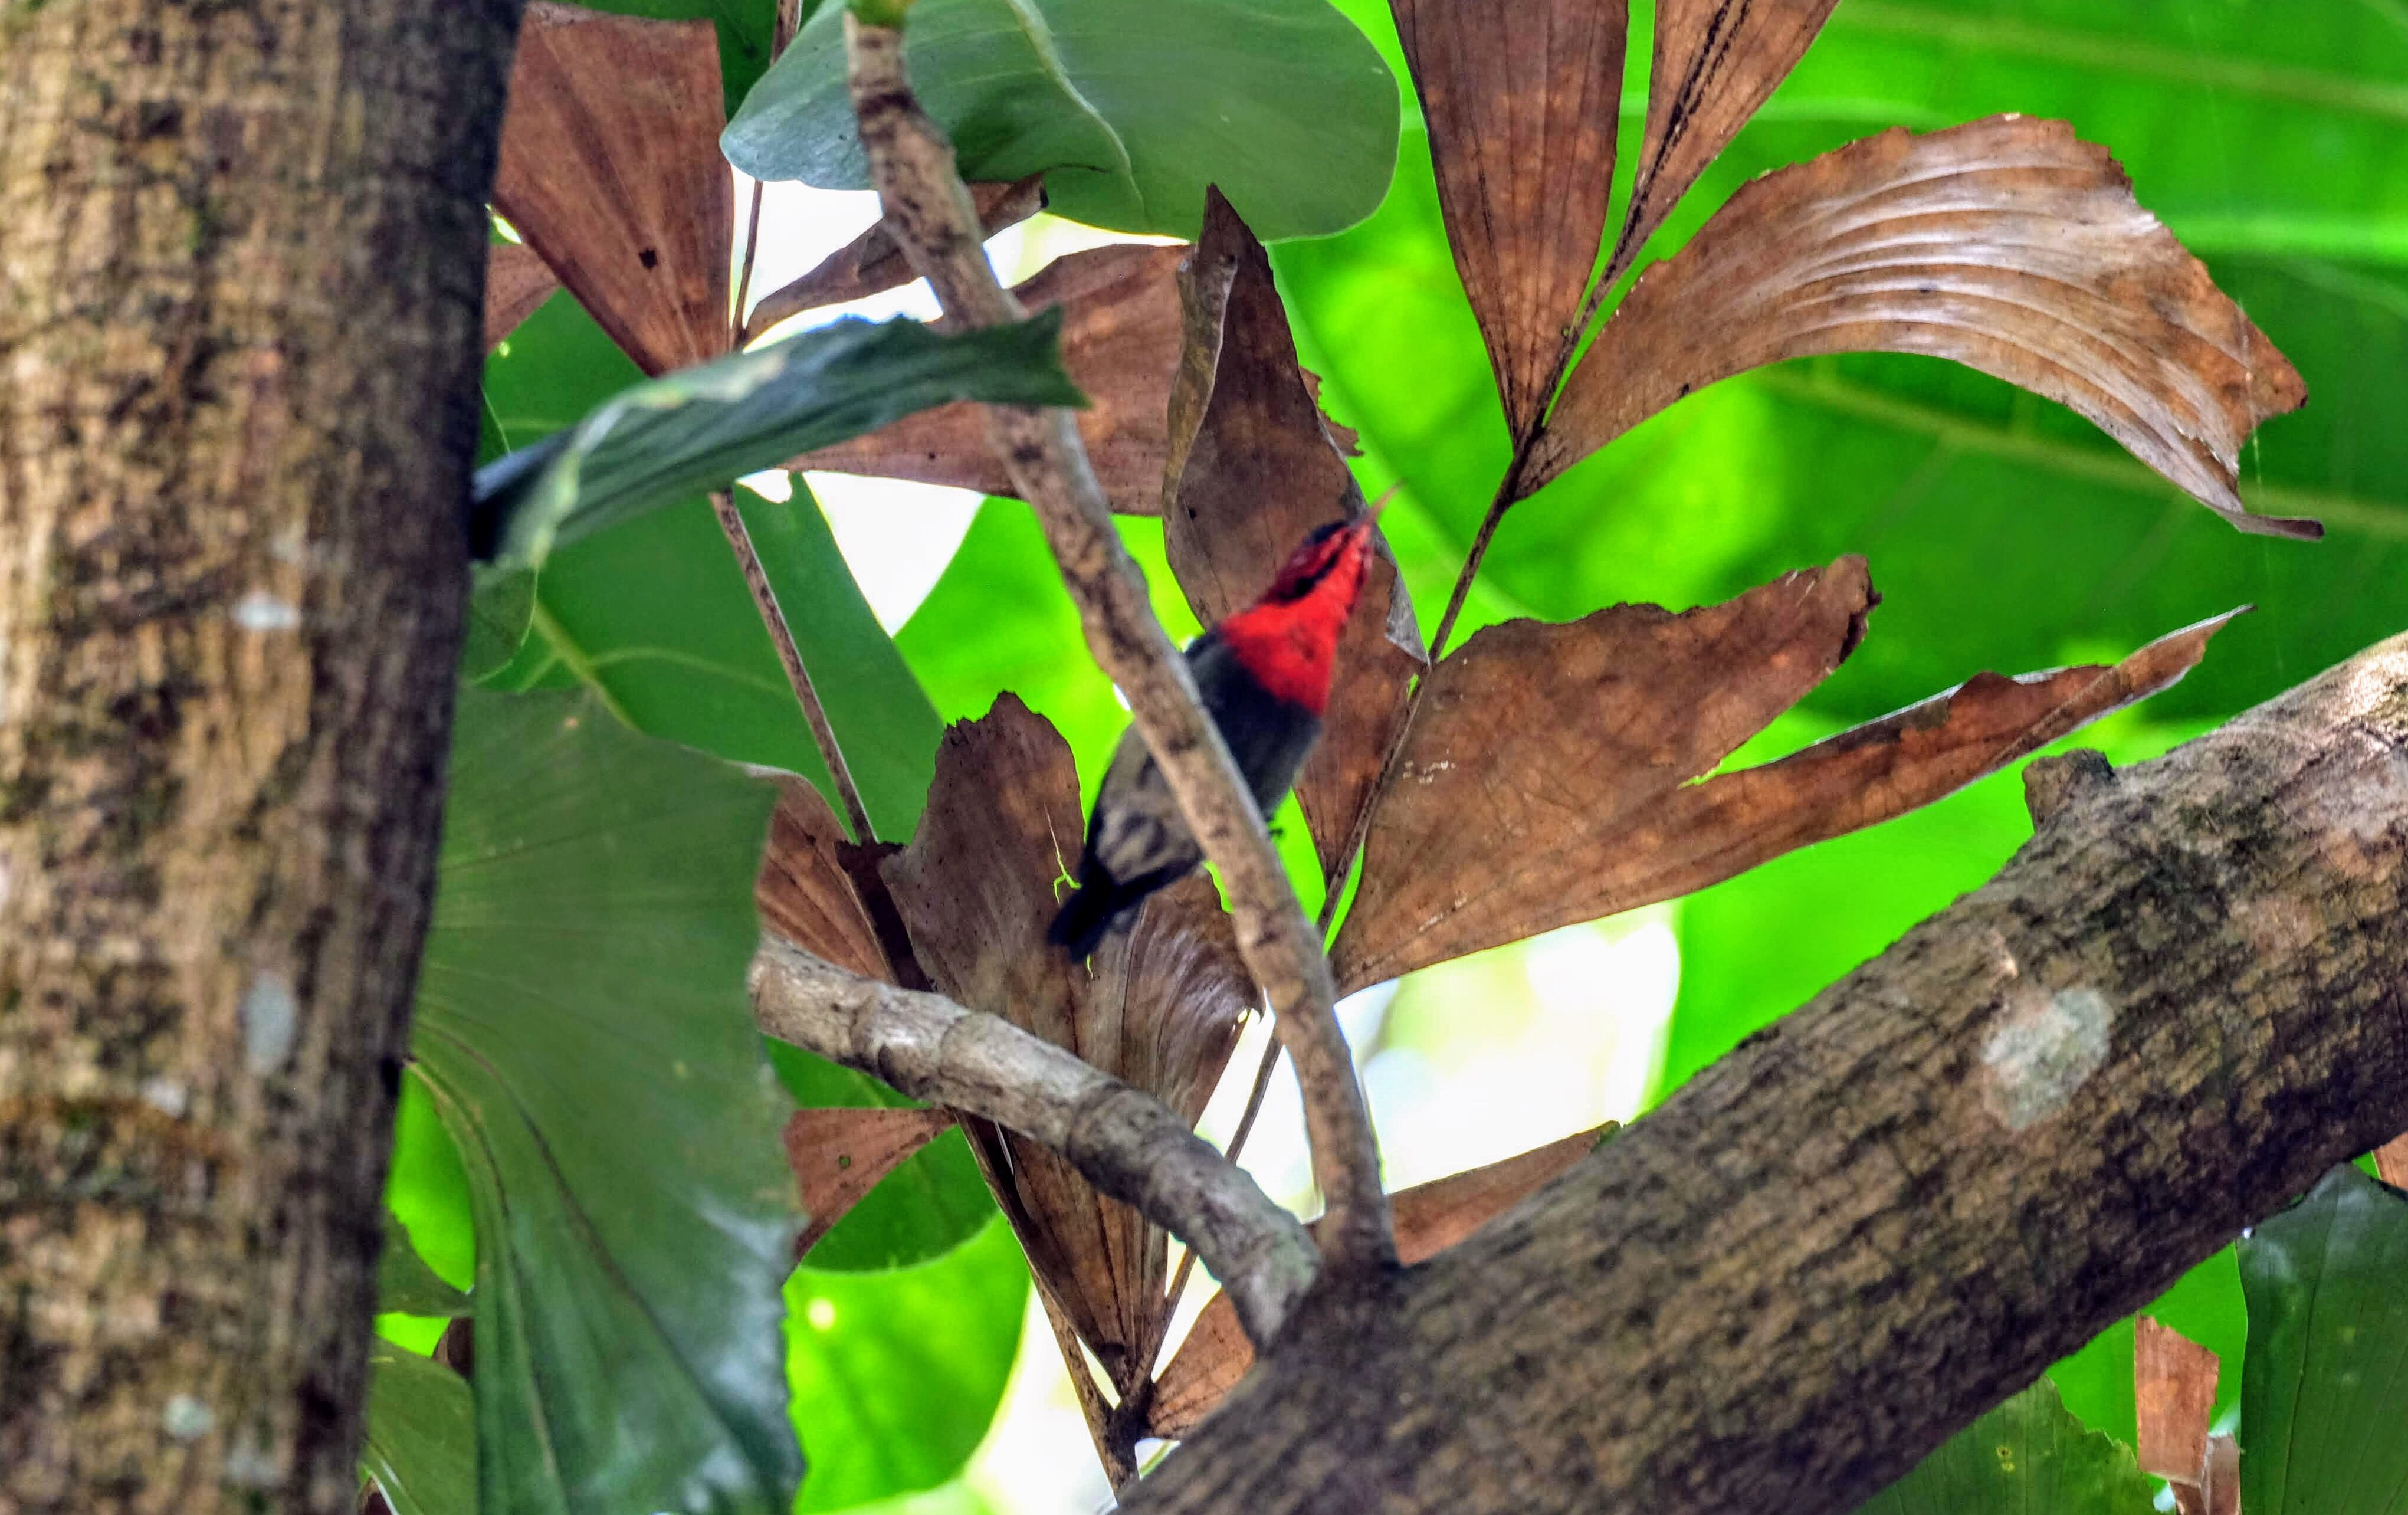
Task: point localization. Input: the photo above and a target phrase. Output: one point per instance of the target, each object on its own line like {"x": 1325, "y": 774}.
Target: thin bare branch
{"x": 756, "y": 579}
{"x": 934, "y": 219}
{"x": 1128, "y": 1144}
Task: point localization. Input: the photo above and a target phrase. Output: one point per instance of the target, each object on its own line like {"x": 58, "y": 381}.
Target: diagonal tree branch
{"x": 932, "y": 217}
{"x": 2181, "y": 1003}
{"x": 1128, "y": 1144}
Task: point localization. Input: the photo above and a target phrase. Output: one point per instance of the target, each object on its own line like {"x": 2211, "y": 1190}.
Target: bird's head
{"x": 1288, "y": 639}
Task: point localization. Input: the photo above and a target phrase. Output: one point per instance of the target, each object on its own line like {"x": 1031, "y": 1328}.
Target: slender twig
{"x": 764, "y": 599}
{"x": 737, "y": 324}
{"x": 935, "y": 222}
{"x": 1125, "y": 1142}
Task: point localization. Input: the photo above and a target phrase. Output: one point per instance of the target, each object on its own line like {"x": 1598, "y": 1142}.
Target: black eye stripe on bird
{"x": 1264, "y": 672}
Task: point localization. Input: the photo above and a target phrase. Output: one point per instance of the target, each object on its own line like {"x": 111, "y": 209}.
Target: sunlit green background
{"x": 2003, "y": 532}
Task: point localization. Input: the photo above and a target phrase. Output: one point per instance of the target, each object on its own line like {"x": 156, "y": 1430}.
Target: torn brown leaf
{"x": 1716, "y": 63}
{"x": 1538, "y": 747}
{"x": 820, "y": 892}
{"x": 1251, "y": 470}
{"x": 839, "y": 1155}
{"x": 2174, "y": 1388}
{"x": 2222, "y": 1495}
{"x": 2009, "y": 245}
{"x": 1160, "y": 1008}
{"x": 2391, "y": 1162}
{"x": 1523, "y": 101}
{"x": 610, "y": 169}
{"x": 873, "y": 263}
{"x": 1120, "y": 341}
{"x": 1697, "y": 835}
{"x": 517, "y": 282}
{"x": 1428, "y": 1219}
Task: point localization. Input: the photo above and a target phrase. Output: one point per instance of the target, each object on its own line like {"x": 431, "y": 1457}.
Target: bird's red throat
{"x": 1290, "y": 647}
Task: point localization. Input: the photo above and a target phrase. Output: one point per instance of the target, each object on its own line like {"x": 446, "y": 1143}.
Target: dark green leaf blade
{"x": 421, "y": 1446}
{"x": 407, "y": 1285}
{"x": 698, "y": 429}
{"x": 1128, "y": 107}
{"x": 2328, "y": 1366}
{"x": 582, "y": 1025}
{"x": 2025, "y": 1455}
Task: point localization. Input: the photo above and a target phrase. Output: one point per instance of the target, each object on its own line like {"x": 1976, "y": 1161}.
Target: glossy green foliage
{"x": 929, "y": 1204}
{"x": 2328, "y": 1353}
{"x": 698, "y": 429}
{"x": 420, "y": 1441}
{"x": 582, "y": 1028}
{"x": 2023, "y": 1457}
{"x": 1129, "y": 107}
{"x": 655, "y": 615}
{"x": 897, "y": 1374}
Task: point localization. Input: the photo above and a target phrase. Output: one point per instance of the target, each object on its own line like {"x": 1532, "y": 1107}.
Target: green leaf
{"x": 699, "y": 428}
{"x": 500, "y": 604}
{"x": 2025, "y": 1455}
{"x": 407, "y": 1285}
{"x": 582, "y": 1028}
{"x": 896, "y": 1376}
{"x": 1128, "y": 107}
{"x": 421, "y": 1444}
{"x": 2328, "y": 1353}
{"x": 655, "y": 615}
{"x": 746, "y": 29}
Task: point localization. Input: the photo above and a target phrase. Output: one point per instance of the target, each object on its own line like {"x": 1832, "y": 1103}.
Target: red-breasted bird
{"x": 1264, "y": 672}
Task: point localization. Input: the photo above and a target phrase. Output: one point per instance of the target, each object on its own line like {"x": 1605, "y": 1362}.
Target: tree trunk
{"x": 2178, "y": 1005}
{"x": 241, "y": 259}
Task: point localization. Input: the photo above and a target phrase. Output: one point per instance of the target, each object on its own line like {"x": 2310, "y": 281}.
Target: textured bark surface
{"x": 2180, "y": 1003}
{"x": 241, "y": 259}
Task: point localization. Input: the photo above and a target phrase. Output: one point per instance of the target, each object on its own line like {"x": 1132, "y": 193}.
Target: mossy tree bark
{"x": 241, "y": 259}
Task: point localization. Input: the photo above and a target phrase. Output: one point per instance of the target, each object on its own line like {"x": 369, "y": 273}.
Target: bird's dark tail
{"x": 1087, "y": 916}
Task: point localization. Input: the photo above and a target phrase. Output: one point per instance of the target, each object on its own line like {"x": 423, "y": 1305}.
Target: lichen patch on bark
{"x": 2044, "y": 1048}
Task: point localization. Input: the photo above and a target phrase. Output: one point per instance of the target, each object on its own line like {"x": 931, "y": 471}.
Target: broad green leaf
{"x": 1128, "y": 107}
{"x": 931, "y": 1204}
{"x": 897, "y": 1375}
{"x": 699, "y": 428}
{"x": 582, "y": 1028}
{"x": 746, "y": 29}
{"x": 500, "y": 604}
{"x": 404, "y": 1284}
{"x": 2025, "y": 1455}
{"x": 655, "y": 615}
{"x": 420, "y": 1440}
{"x": 2328, "y": 1353}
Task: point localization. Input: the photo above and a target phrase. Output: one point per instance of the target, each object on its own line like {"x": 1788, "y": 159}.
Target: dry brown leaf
{"x": 1523, "y": 101}
{"x": 1160, "y": 1010}
{"x": 1538, "y": 748}
{"x": 1428, "y": 1219}
{"x": 1251, "y": 470}
{"x": 1120, "y": 341}
{"x": 2222, "y": 1495}
{"x": 2391, "y": 1162}
{"x": 610, "y": 169}
{"x": 1716, "y": 62}
{"x": 1603, "y": 860}
{"x": 2008, "y": 244}
{"x": 2173, "y": 1385}
{"x": 517, "y": 282}
{"x": 819, "y": 891}
{"x": 839, "y": 1155}
{"x": 873, "y": 263}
